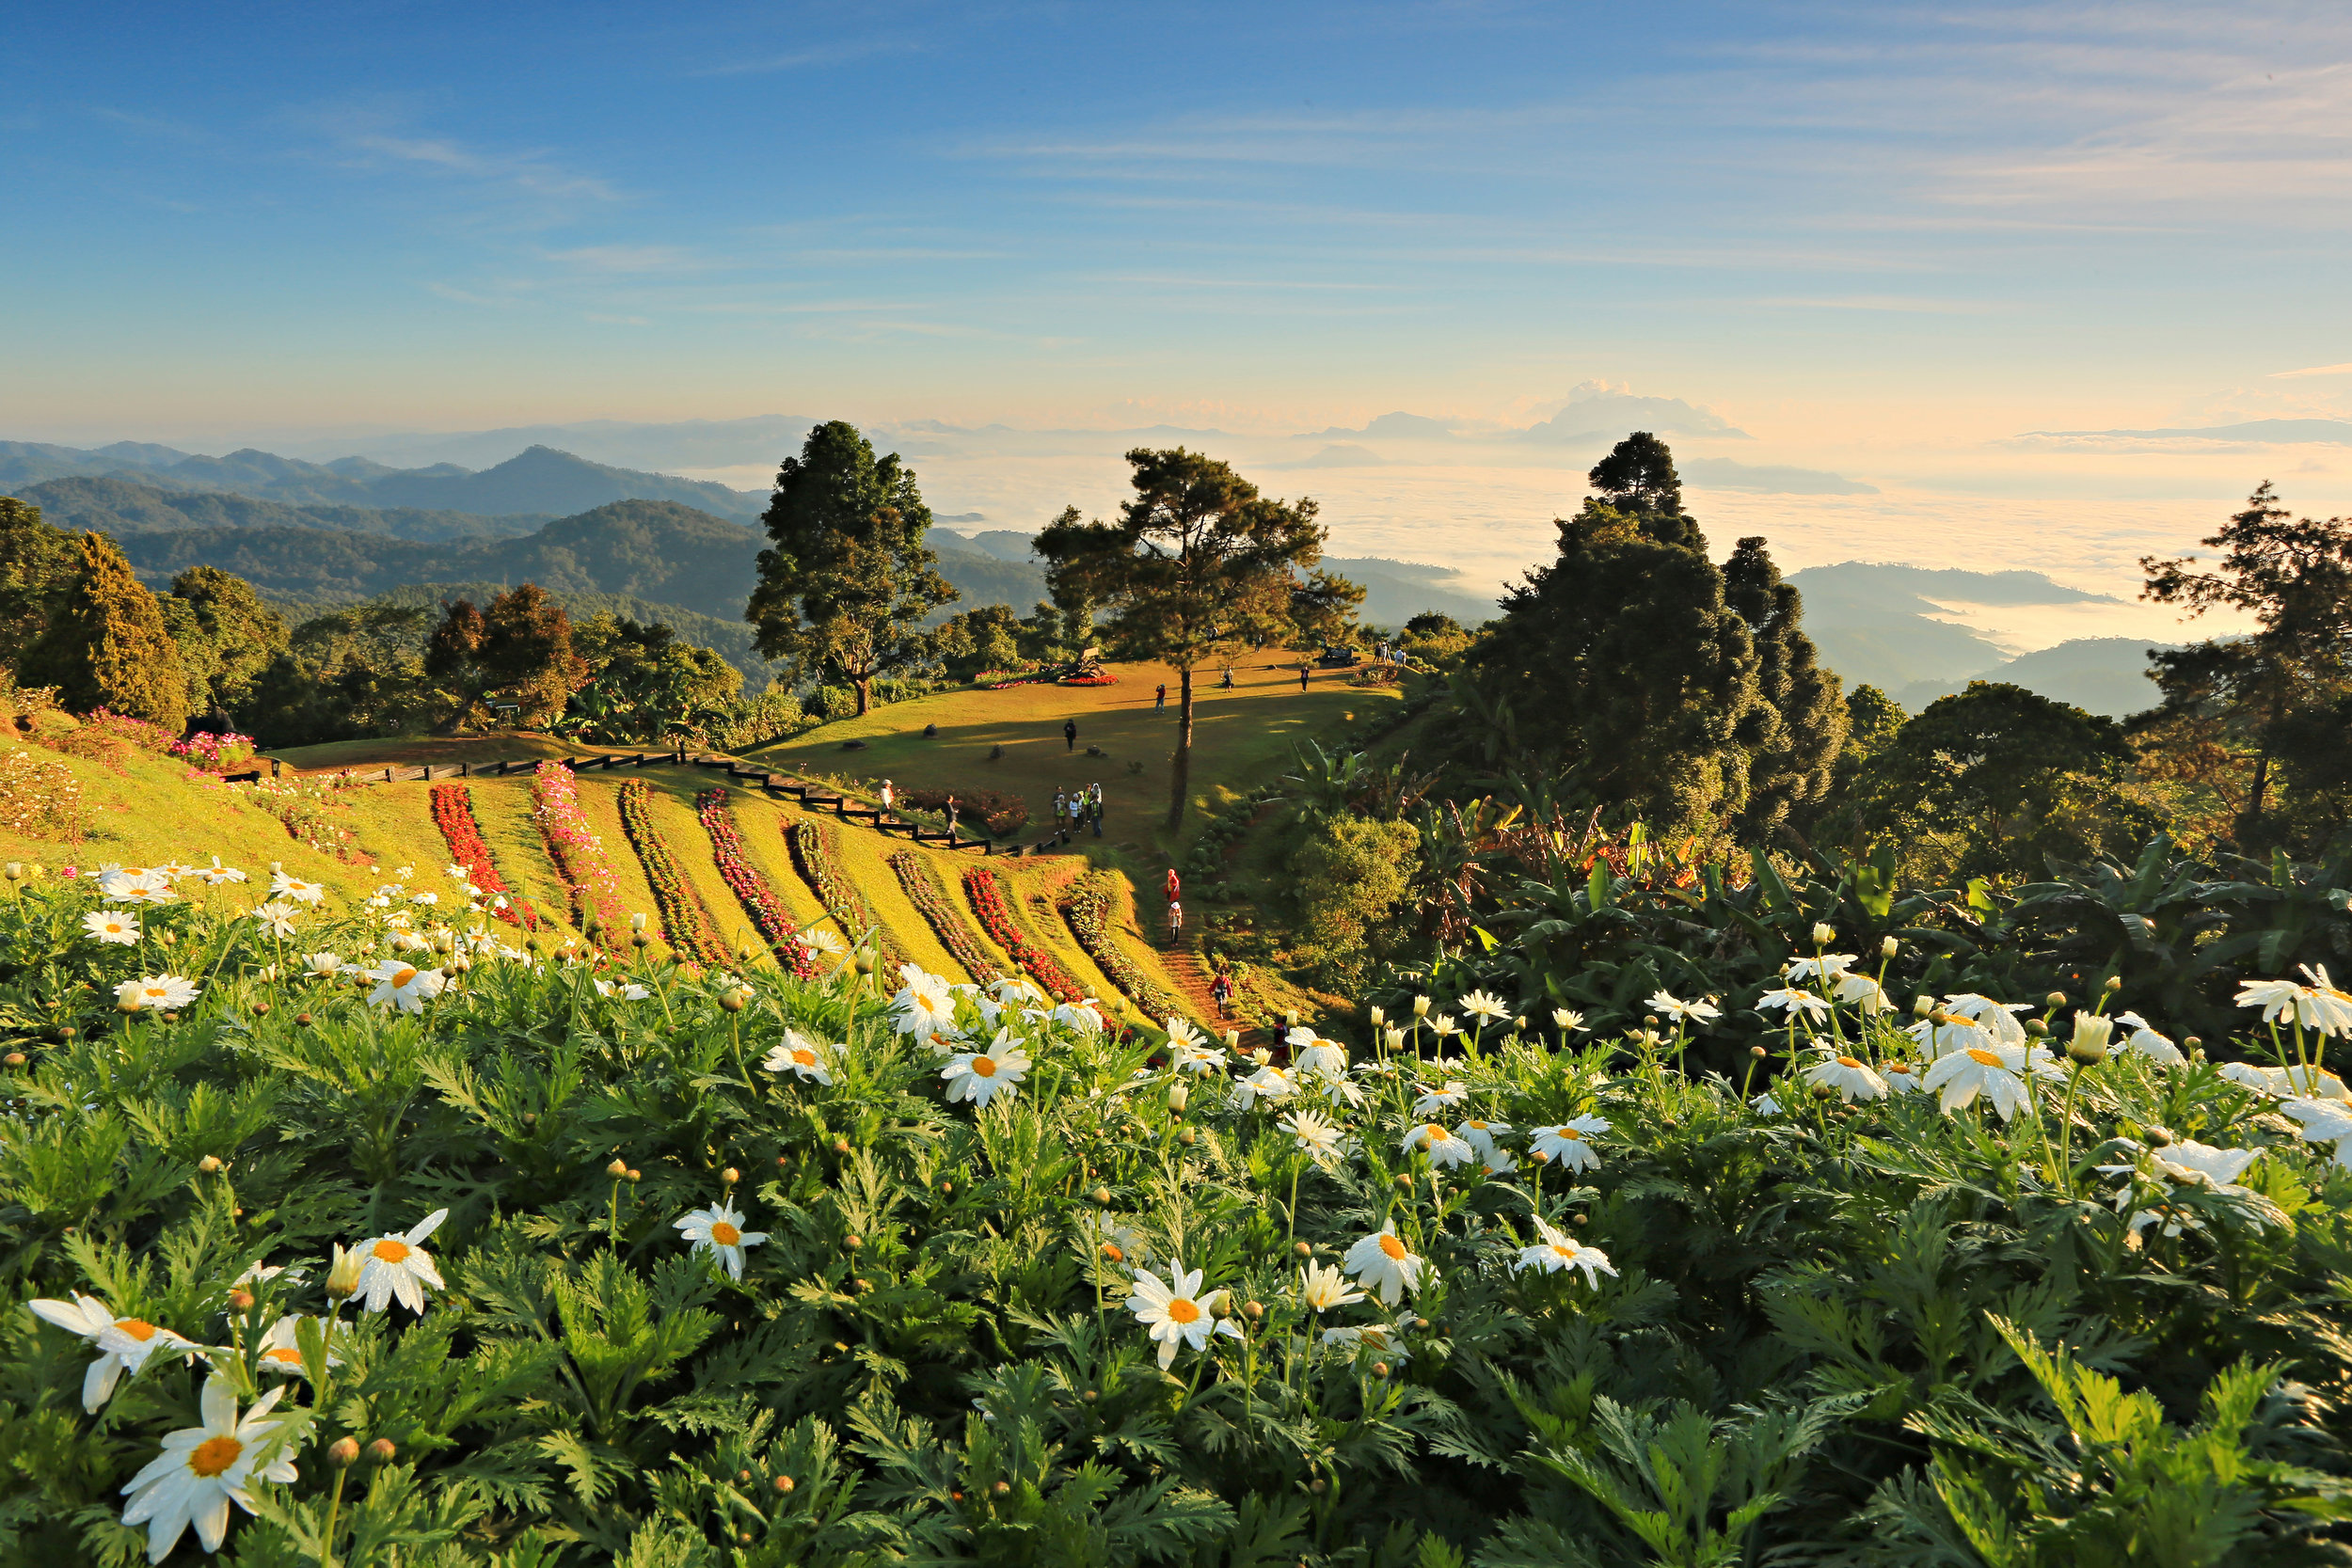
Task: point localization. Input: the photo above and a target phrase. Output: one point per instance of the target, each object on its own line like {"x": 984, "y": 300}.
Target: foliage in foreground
{"x": 768, "y": 1271}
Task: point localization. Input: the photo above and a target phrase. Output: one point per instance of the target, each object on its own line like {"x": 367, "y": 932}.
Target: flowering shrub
{"x": 587, "y": 877}
{"x": 38, "y": 796}
{"x": 1089, "y": 911}
{"x": 308, "y": 805}
{"x": 923, "y": 890}
{"x": 768, "y": 917}
{"x": 1098, "y": 679}
{"x": 813, "y": 856}
{"x": 215, "y": 753}
{"x": 497, "y": 1263}
{"x": 453, "y": 812}
{"x": 986, "y": 894}
{"x": 686, "y": 921}
{"x": 136, "y": 732}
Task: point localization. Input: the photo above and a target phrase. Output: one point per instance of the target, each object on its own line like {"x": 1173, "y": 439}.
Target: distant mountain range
{"x": 538, "y": 480}
{"x": 1876, "y": 624}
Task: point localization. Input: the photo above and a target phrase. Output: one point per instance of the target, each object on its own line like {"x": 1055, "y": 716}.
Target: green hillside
{"x": 125, "y": 506}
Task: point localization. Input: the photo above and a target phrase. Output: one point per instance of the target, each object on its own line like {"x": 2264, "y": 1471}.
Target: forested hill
{"x": 124, "y": 507}
{"x": 537, "y": 480}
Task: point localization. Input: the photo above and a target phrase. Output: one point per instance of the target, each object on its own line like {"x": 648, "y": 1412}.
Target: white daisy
{"x": 1434, "y": 1100}
{"x": 1267, "y": 1082}
{"x": 1086, "y": 1016}
{"x": 2318, "y": 1005}
{"x": 1483, "y": 1005}
{"x": 1175, "y": 1311}
{"x": 155, "y": 992}
{"x": 2321, "y": 1121}
{"x": 1788, "y": 1000}
{"x": 1862, "y": 991}
{"x": 283, "y": 886}
{"x": 1323, "y": 1288}
{"x": 282, "y": 1348}
{"x": 1693, "y": 1012}
{"x": 1114, "y": 1240}
{"x": 1553, "y": 1252}
{"x": 626, "y": 990}
{"x": 1183, "y": 1034}
{"x": 800, "y": 1057}
{"x": 1566, "y": 1020}
{"x": 106, "y": 925}
{"x": 205, "y": 1469}
{"x": 1765, "y": 1105}
{"x": 1997, "y": 1019}
{"x": 1996, "y": 1073}
{"x": 218, "y": 874}
{"x": 275, "y": 917}
{"x": 1384, "y": 1339}
{"x": 1443, "y": 1149}
{"x": 1828, "y": 966}
{"x": 1848, "y": 1075}
{"x": 1386, "y": 1265}
{"x": 1568, "y": 1143}
{"x": 1312, "y": 1055}
{"x": 1196, "y": 1056}
{"x": 398, "y": 1267}
{"x": 925, "y": 1006}
{"x": 2143, "y": 1040}
{"x": 2310, "y": 1082}
{"x": 123, "y": 1344}
{"x": 980, "y": 1076}
{"x": 404, "y": 986}
{"x": 1481, "y": 1136}
{"x": 720, "y": 1229}
{"x": 1313, "y": 1136}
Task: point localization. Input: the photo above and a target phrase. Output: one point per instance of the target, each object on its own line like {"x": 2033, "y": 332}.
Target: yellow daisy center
{"x": 805, "y": 1058}
{"x": 1903, "y": 1067}
{"x": 1183, "y": 1311}
{"x": 213, "y": 1455}
{"x": 390, "y": 1251}
{"x": 402, "y": 977}
{"x": 1565, "y": 1250}
{"x": 156, "y": 990}
{"x": 138, "y": 1328}
{"x": 1848, "y": 1062}
{"x": 1478, "y": 1127}
{"x": 1572, "y": 1134}
{"x": 725, "y": 1234}
{"x": 1986, "y": 1057}
{"x": 984, "y": 1067}
{"x": 1393, "y": 1247}
{"x": 290, "y": 1357}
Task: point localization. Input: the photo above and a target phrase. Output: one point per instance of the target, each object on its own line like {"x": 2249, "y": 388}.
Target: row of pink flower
{"x": 578, "y": 854}
{"x": 208, "y": 749}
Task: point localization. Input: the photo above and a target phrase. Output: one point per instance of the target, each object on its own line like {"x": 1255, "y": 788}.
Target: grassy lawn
{"x": 412, "y": 751}
{"x": 1239, "y": 738}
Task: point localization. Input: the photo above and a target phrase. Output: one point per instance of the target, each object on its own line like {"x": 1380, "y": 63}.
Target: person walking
{"x": 951, "y": 818}
{"x": 888, "y": 794}
{"x": 1175, "y": 920}
{"x": 1221, "y": 992}
{"x": 1097, "y": 803}
{"x": 1174, "y": 885}
{"x": 1070, "y": 736}
{"x": 1062, "y": 810}
{"x": 1161, "y": 700}
{"x": 1302, "y": 677}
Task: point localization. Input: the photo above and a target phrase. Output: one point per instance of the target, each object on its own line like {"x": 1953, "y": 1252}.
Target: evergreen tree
{"x": 848, "y": 582}
{"x": 527, "y": 652}
{"x": 228, "y": 639}
{"x": 1796, "y": 732}
{"x": 108, "y": 647}
{"x": 453, "y": 662}
{"x": 1197, "y": 562}
{"x": 37, "y": 568}
{"x": 1620, "y": 666}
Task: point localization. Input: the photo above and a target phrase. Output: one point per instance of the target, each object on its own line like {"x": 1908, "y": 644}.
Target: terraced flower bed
{"x": 813, "y": 855}
{"x": 769, "y": 916}
{"x": 686, "y": 921}
{"x": 986, "y": 896}
{"x": 453, "y": 812}
{"x": 594, "y": 892}
{"x": 923, "y": 892}
{"x": 1089, "y": 912}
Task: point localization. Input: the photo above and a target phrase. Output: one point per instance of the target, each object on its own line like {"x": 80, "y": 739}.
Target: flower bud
{"x": 381, "y": 1451}
{"x": 16, "y": 871}
{"x": 641, "y": 939}
{"x": 2159, "y": 1137}
{"x": 343, "y": 1453}
{"x": 841, "y": 1145}
{"x": 617, "y": 1170}
{"x": 240, "y": 1300}
{"x": 1187, "y": 1137}
{"x": 1304, "y": 1250}
{"x": 866, "y": 963}
{"x": 14, "y": 1058}
{"x": 1888, "y": 948}
{"x": 261, "y": 1009}
{"x": 1179, "y": 1097}
{"x": 784, "y": 1483}
{"x": 730, "y": 1176}
{"x": 343, "y": 1275}
{"x": 637, "y": 922}
{"x": 636, "y": 1175}
{"x": 1232, "y": 1039}
{"x": 1255, "y": 1312}
{"x": 1262, "y": 1055}
{"x": 210, "y": 1164}
{"x": 1378, "y": 1017}
{"x": 853, "y": 1240}
{"x": 2115, "y": 982}
{"x": 1823, "y": 934}
{"x": 1756, "y": 1052}
{"x": 1403, "y": 1182}
{"x": 303, "y": 1020}
{"x": 1101, "y": 1198}
{"x": 1922, "y": 1006}
{"x": 1421, "y": 1007}
{"x": 2035, "y": 1027}
{"x": 1381, "y": 1369}
{"x": 1393, "y": 1037}
{"x": 2055, "y": 999}
{"x": 2091, "y": 1033}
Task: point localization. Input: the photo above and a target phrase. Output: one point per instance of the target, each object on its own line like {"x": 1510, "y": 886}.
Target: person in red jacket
{"x": 1175, "y": 885}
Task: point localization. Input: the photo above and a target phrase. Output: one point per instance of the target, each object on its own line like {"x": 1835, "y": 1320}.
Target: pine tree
{"x": 108, "y": 646}
{"x": 1619, "y": 666}
{"x": 527, "y": 652}
{"x": 1796, "y": 735}
{"x": 37, "y": 568}
{"x": 848, "y": 580}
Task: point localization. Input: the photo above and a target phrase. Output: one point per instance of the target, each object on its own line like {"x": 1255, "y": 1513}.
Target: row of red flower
{"x": 578, "y": 853}
{"x": 987, "y": 895}
{"x": 453, "y": 812}
{"x": 812, "y": 844}
{"x": 686, "y": 923}
{"x": 768, "y": 917}
{"x": 1089, "y": 911}
{"x": 924, "y": 892}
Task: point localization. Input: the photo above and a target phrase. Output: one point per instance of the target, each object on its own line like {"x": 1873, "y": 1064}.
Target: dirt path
{"x": 1191, "y": 980}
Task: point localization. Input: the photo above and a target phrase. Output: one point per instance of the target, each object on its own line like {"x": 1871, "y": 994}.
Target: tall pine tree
{"x": 108, "y": 647}
{"x": 1794, "y": 740}
{"x": 1620, "y": 667}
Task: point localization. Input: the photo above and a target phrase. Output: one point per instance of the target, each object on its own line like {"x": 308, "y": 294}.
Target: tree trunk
{"x": 865, "y": 694}
{"x": 1181, "y": 775}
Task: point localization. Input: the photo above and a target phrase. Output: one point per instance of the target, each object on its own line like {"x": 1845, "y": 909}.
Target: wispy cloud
{"x": 528, "y": 171}
{"x": 2312, "y": 370}
{"x": 1885, "y": 302}
{"x": 633, "y": 259}
{"x": 842, "y": 53}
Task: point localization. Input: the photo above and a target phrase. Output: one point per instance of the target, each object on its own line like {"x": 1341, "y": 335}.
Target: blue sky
{"x": 1883, "y": 240}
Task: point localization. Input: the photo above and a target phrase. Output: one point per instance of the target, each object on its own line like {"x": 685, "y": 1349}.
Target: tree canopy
{"x": 107, "y": 645}
{"x": 848, "y": 580}
{"x": 1197, "y": 562}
